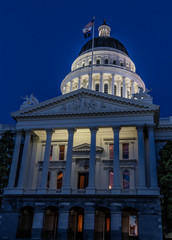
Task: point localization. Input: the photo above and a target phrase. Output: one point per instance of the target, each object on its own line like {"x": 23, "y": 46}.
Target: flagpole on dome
{"x": 91, "y": 78}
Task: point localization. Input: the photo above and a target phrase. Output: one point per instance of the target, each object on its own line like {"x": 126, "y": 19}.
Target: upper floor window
{"x": 111, "y": 149}
{"x": 125, "y": 150}
{"x": 105, "y": 88}
{"x": 115, "y": 90}
{"x": 97, "y": 87}
{"x": 59, "y": 180}
{"x": 121, "y": 91}
{"x": 82, "y": 180}
{"x": 106, "y": 61}
{"x": 51, "y": 153}
{"x": 48, "y": 180}
{"x": 98, "y": 61}
{"x": 114, "y": 62}
{"x": 126, "y": 179}
{"x": 61, "y": 152}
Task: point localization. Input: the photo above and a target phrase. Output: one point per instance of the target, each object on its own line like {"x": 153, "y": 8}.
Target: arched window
{"x": 76, "y": 223}
{"x": 83, "y": 64}
{"x": 49, "y": 229}
{"x": 97, "y": 87}
{"x": 114, "y": 62}
{"x": 98, "y": 61}
{"x": 102, "y": 223}
{"x": 115, "y": 90}
{"x": 24, "y": 229}
{"x": 106, "y": 61}
{"x": 105, "y": 88}
{"x": 59, "y": 180}
{"x": 90, "y": 62}
{"x": 122, "y": 64}
{"x": 126, "y": 179}
{"x": 129, "y": 224}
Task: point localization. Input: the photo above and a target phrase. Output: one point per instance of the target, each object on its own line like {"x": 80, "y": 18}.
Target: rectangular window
{"x": 61, "y": 152}
{"x": 110, "y": 180}
{"x": 111, "y": 149}
{"x": 83, "y": 180}
{"x": 51, "y": 153}
{"x": 125, "y": 150}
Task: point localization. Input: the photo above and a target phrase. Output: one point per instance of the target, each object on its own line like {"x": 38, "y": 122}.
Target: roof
{"x": 104, "y": 42}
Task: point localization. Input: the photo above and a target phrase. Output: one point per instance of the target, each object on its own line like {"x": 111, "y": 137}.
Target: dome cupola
{"x": 104, "y": 30}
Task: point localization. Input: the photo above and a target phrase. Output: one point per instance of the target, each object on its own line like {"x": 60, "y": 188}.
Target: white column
{"x": 124, "y": 87}
{"x": 14, "y": 164}
{"x": 132, "y": 86}
{"x": 24, "y": 163}
{"x": 53, "y": 179}
{"x": 44, "y": 175}
{"x": 141, "y": 159}
{"x": 79, "y": 82}
{"x": 90, "y": 83}
{"x": 152, "y": 159}
{"x": 67, "y": 177}
{"x": 65, "y": 89}
{"x": 116, "y": 189}
{"x": 92, "y": 163}
{"x": 119, "y": 88}
{"x": 101, "y": 82}
{"x": 71, "y": 82}
{"x": 113, "y": 82}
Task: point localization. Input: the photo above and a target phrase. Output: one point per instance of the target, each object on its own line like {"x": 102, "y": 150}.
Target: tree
{"x": 6, "y": 152}
{"x": 165, "y": 179}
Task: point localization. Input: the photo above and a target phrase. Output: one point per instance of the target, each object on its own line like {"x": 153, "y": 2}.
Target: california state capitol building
{"x": 84, "y": 165}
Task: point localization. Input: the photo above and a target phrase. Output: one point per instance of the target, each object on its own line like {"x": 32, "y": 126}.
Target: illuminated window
{"x": 125, "y": 150}
{"x": 51, "y": 153}
{"x": 133, "y": 225}
{"x": 110, "y": 180}
{"x": 76, "y": 223}
{"x": 80, "y": 223}
{"x": 82, "y": 180}
{"x": 106, "y": 61}
{"x": 111, "y": 149}
{"x": 97, "y": 87}
{"x": 105, "y": 88}
{"x": 59, "y": 180}
{"x": 126, "y": 179}
{"x": 115, "y": 90}
{"x": 98, "y": 61}
{"x": 61, "y": 152}
{"x": 49, "y": 228}
{"x": 114, "y": 62}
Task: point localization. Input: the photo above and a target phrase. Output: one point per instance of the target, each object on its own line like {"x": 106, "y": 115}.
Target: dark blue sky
{"x": 40, "y": 39}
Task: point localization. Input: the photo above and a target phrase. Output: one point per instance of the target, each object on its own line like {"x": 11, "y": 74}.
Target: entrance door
{"x": 76, "y": 222}
{"x": 82, "y": 180}
{"x": 102, "y": 224}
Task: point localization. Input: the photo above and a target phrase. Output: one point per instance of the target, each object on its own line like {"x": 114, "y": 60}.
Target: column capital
{"x": 34, "y": 138}
{"x": 123, "y": 77}
{"x": 93, "y": 129}
{"x": 101, "y": 74}
{"x": 71, "y": 130}
{"x": 150, "y": 126}
{"x": 49, "y": 130}
{"x": 19, "y": 131}
{"x": 140, "y": 127}
{"x": 116, "y": 128}
{"x": 27, "y": 131}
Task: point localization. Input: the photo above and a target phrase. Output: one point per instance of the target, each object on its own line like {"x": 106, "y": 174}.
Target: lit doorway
{"x": 82, "y": 180}
{"x": 76, "y": 223}
{"x": 102, "y": 224}
{"x": 129, "y": 224}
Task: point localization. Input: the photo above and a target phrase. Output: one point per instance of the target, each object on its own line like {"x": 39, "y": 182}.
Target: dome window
{"x": 115, "y": 89}
{"x": 114, "y": 62}
{"x": 122, "y": 64}
{"x": 106, "y": 61}
{"x": 98, "y": 61}
{"x": 83, "y": 64}
{"x": 90, "y": 62}
{"x": 106, "y": 88}
{"x": 97, "y": 87}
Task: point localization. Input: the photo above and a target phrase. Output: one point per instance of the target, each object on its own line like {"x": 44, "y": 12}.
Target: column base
{"x": 66, "y": 190}
{"x": 90, "y": 190}
{"x": 116, "y": 190}
{"x": 19, "y": 190}
{"x": 41, "y": 190}
{"x": 154, "y": 190}
{"x": 142, "y": 190}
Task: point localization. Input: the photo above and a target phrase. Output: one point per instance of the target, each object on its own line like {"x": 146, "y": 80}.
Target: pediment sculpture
{"x": 29, "y": 101}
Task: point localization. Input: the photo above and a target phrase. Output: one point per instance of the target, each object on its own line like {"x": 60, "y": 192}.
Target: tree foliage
{"x": 165, "y": 179}
{"x": 6, "y": 152}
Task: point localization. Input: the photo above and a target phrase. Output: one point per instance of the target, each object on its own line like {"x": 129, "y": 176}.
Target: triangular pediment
{"x": 84, "y": 101}
{"x": 85, "y": 147}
